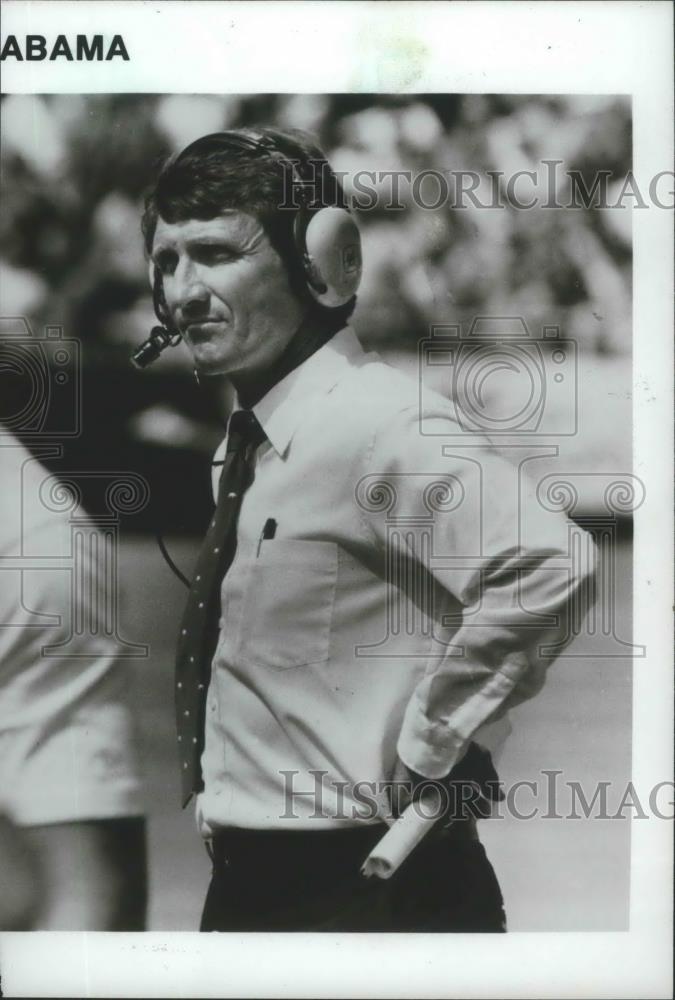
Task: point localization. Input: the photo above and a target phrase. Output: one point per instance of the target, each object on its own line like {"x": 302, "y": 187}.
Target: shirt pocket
{"x": 287, "y": 607}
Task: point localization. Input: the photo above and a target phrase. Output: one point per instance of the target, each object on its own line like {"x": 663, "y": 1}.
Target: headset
{"x": 326, "y": 239}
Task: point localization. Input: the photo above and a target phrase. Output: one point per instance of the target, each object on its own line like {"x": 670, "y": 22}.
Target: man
{"x": 312, "y": 697}
{"x": 69, "y": 777}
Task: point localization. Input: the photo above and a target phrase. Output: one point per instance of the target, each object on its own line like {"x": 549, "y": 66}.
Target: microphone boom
{"x": 160, "y": 338}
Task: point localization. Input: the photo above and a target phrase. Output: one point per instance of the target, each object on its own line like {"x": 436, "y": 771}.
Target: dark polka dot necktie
{"x": 198, "y": 635}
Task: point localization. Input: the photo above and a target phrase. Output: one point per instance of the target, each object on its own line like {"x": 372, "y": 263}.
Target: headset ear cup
{"x": 331, "y": 251}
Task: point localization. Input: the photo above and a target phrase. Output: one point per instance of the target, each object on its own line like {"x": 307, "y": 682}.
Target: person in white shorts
{"x": 69, "y": 777}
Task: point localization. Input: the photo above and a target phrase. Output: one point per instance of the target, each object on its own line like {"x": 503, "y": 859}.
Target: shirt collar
{"x": 285, "y": 405}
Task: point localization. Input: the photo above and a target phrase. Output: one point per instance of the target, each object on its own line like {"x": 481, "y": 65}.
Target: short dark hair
{"x": 214, "y": 173}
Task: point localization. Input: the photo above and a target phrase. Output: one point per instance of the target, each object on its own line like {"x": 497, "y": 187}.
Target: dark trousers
{"x": 309, "y": 880}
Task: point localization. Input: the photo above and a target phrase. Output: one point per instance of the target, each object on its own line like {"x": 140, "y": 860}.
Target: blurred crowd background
{"x": 75, "y": 169}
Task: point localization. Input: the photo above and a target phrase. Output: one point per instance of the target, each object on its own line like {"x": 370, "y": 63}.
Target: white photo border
{"x": 486, "y": 47}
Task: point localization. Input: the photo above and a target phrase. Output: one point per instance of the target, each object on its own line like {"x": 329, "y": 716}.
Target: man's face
{"x": 228, "y": 293}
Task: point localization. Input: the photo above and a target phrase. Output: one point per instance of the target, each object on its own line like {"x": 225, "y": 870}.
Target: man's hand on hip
{"x": 467, "y": 792}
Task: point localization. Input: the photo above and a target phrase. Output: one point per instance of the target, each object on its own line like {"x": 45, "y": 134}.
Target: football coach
{"x": 305, "y": 699}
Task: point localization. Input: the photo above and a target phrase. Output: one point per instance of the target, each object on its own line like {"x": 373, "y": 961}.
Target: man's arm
{"x": 514, "y": 568}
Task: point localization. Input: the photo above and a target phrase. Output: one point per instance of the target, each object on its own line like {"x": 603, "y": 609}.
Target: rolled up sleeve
{"x": 520, "y": 574}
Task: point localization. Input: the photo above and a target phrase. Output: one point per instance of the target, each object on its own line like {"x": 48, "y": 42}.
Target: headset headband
{"x": 253, "y": 140}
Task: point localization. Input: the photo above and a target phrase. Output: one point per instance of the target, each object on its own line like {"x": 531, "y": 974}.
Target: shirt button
{"x": 186, "y": 712}
{"x": 179, "y": 685}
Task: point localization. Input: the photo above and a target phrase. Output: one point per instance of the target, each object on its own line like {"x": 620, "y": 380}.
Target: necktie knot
{"x": 244, "y": 429}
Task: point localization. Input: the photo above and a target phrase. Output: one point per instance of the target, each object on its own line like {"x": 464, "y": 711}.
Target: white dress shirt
{"x": 388, "y": 615}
